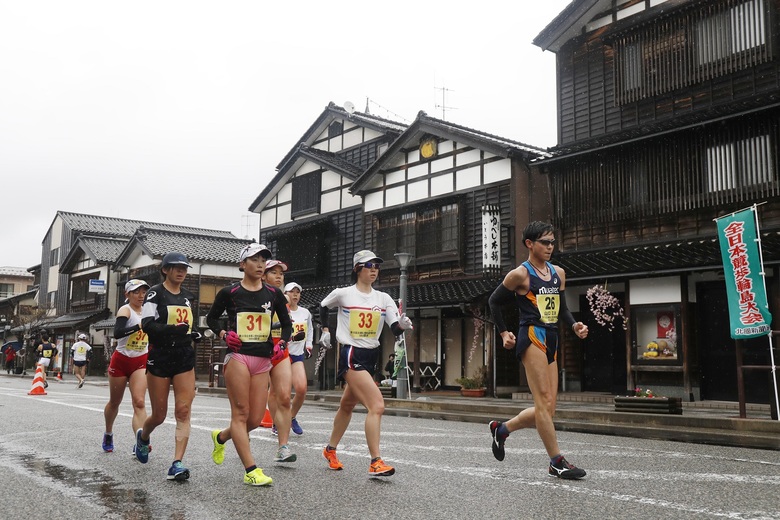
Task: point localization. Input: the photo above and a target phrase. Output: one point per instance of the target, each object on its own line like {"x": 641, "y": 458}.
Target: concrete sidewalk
{"x": 705, "y": 422}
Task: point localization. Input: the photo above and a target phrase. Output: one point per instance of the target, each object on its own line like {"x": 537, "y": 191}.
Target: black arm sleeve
{"x": 396, "y": 329}
{"x": 284, "y": 316}
{"x": 151, "y": 326}
{"x": 566, "y": 315}
{"x": 217, "y": 308}
{"x": 121, "y": 329}
{"x": 324, "y": 314}
{"x": 500, "y": 297}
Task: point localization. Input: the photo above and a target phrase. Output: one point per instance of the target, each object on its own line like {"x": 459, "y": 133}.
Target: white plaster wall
{"x": 655, "y": 290}
{"x": 334, "y": 144}
{"x": 285, "y": 193}
{"x": 330, "y": 201}
{"x": 468, "y": 178}
{"x": 348, "y": 200}
{"x": 56, "y": 233}
{"x": 222, "y": 271}
{"x": 413, "y": 156}
{"x": 441, "y": 164}
{"x": 283, "y": 213}
{"x": 395, "y": 196}
{"x": 445, "y": 147}
{"x": 467, "y": 157}
{"x": 394, "y": 177}
{"x": 417, "y": 171}
{"x": 268, "y": 218}
{"x": 418, "y": 190}
{"x": 373, "y": 201}
{"x": 369, "y": 134}
{"x": 353, "y": 138}
{"x": 374, "y": 183}
{"x": 330, "y": 180}
{"x": 497, "y": 171}
{"x": 306, "y": 167}
{"x": 442, "y": 184}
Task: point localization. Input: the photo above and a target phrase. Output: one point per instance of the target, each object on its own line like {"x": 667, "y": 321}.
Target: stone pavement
{"x": 706, "y": 422}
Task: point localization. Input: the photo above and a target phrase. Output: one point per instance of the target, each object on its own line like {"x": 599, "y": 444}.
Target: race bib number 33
{"x": 253, "y": 327}
{"x": 364, "y": 323}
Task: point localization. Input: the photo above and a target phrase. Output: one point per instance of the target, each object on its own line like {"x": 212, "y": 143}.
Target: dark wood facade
{"x": 667, "y": 119}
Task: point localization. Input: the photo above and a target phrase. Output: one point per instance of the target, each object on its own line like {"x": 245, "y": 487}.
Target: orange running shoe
{"x": 378, "y": 468}
{"x": 333, "y": 460}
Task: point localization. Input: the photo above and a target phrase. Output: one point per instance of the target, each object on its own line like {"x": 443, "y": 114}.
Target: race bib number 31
{"x": 364, "y": 323}
{"x": 180, "y": 314}
{"x": 548, "y": 307}
{"x": 253, "y": 327}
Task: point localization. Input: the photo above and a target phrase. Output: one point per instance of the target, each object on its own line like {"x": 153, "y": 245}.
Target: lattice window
{"x": 306, "y": 194}
{"x": 425, "y": 232}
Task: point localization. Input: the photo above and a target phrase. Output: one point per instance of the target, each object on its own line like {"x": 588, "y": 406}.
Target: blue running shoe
{"x": 108, "y": 442}
{"x": 141, "y": 448}
{"x": 296, "y": 428}
{"x": 178, "y": 472}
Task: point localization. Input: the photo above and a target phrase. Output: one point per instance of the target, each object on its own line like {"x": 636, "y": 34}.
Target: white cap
{"x": 82, "y": 336}
{"x": 292, "y": 285}
{"x": 252, "y": 249}
{"x": 361, "y": 257}
{"x": 273, "y": 263}
{"x": 134, "y": 284}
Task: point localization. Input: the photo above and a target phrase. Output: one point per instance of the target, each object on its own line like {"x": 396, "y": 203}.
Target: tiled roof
{"x": 332, "y": 161}
{"x": 199, "y": 248}
{"x": 76, "y": 319}
{"x": 120, "y": 227}
{"x": 105, "y": 249}
{"x": 417, "y": 294}
{"x": 108, "y": 323}
{"x": 14, "y": 271}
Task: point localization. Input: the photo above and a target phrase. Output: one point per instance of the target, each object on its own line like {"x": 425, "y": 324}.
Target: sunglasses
{"x": 372, "y": 265}
{"x": 546, "y": 243}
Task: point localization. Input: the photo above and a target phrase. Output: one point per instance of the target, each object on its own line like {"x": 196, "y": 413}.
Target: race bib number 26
{"x": 548, "y": 307}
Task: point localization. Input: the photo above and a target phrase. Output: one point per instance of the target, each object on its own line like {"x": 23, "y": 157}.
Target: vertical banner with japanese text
{"x": 749, "y": 315}
{"x": 491, "y": 239}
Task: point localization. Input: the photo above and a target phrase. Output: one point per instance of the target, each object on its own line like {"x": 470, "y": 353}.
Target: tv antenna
{"x": 247, "y": 225}
{"x": 443, "y": 105}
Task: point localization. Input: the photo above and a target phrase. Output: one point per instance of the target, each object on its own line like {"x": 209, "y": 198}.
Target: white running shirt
{"x": 361, "y": 316}
{"x": 301, "y": 318}
{"x": 137, "y": 343}
{"x": 80, "y": 350}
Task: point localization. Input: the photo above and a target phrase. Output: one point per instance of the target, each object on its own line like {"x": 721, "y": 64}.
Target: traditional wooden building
{"x": 668, "y": 116}
{"x": 357, "y": 181}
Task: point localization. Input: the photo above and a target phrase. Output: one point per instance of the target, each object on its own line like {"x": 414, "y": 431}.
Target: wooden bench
{"x": 667, "y": 405}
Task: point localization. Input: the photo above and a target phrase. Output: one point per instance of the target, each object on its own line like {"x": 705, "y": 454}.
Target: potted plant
{"x": 473, "y": 386}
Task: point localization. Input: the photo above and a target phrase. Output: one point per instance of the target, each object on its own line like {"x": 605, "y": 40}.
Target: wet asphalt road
{"x": 51, "y": 465}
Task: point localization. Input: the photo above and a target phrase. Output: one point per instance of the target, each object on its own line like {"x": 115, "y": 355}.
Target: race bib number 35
{"x": 548, "y": 307}
{"x": 364, "y": 323}
{"x": 180, "y": 314}
{"x": 253, "y": 327}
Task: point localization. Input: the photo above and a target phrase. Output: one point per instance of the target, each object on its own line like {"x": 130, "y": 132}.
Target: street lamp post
{"x": 402, "y": 385}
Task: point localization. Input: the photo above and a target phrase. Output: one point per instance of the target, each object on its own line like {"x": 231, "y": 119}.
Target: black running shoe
{"x": 562, "y": 469}
{"x": 498, "y": 440}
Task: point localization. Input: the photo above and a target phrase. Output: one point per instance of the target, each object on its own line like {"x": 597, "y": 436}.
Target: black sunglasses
{"x": 372, "y": 265}
{"x": 546, "y": 243}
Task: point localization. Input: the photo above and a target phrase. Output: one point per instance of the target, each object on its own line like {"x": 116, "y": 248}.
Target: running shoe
{"x": 81, "y": 383}
{"x": 285, "y": 455}
{"x": 218, "y": 453}
{"x": 141, "y": 448}
{"x": 274, "y": 431}
{"x": 378, "y": 468}
{"x": 498, "y": 440}
{"x": 562, "y": 469}
{"x": 45, "y": 384}
{"x": 333, "y": 460}
{"x": 256, "y": 477}
{"x": 108, "y": 442}
{"x": 296, "y": 428}
{"x": 178, "y": 472}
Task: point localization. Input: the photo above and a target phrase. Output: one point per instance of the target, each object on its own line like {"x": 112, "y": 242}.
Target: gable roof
{"x": 102, "y": 250}
{"x": 119, "y": 227}
{"x": 303, "y": 150}
{"x": 569, "y": 23}
{"x": 425, "y": 125}
{"x": 201, "y": 248}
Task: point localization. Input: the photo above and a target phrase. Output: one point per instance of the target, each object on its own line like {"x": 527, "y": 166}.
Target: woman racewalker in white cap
{"x": 128, "y": 362}
{"x": 299, "y": 348}
{"x": 362, "y": 312}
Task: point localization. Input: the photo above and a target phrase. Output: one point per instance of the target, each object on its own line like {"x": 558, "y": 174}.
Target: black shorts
{"x": 354, "y": 358}
{"x": 542, "y": 338}
{"x": 170, "y": 361}
{"x": 80, "y": 363}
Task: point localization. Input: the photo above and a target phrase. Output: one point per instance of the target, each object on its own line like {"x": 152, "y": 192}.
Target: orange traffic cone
{"x": 37, "y": 386}
{"x": 59, "y": 376}
{"x": 267, "y": 422}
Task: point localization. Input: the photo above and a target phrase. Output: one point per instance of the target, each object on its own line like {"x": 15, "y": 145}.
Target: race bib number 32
{"x": 364, "y": 323}
{"x": 180, "y": 314}
{"x": 253, "y": 327}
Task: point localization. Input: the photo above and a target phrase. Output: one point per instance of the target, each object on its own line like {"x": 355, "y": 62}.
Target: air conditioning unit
{"x": 202, "y": 322}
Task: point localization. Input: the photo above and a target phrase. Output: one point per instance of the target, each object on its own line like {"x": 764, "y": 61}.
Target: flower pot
{"x": 472, "y": 392}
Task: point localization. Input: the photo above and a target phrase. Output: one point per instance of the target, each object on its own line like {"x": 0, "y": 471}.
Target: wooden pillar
{"x": 682, "y": 335}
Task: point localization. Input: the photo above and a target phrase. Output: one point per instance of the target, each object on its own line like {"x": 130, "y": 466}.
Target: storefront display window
{"x": 655, "y": 334}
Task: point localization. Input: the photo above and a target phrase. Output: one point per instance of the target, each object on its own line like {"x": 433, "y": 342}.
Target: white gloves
{"x": 405, "y": 322}
{"x": 325, "y": 339}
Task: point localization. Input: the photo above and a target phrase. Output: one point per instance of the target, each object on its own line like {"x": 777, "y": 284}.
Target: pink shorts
{"x": 255, "y": 364}
{"x": 124, "y": 366}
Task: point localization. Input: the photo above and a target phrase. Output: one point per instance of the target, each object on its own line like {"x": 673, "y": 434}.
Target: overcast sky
{"x": 179, "y": 111}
